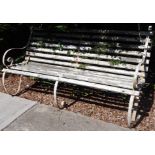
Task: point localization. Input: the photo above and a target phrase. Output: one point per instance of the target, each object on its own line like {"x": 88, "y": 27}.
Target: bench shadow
{"x": 82, "y": 94}
{"x": 74, "y": 93}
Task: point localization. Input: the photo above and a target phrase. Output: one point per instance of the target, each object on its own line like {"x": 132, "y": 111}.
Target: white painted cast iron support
{"x": 55, "y": 93}
{"x": 133, "y": 116}
{"x": 19, "y": 84}
{"x": 56, "y": 104}
{"x": 132, "y": 98}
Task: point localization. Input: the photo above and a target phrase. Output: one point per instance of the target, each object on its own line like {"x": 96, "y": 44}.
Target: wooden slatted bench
{"x": 110, "y": 60}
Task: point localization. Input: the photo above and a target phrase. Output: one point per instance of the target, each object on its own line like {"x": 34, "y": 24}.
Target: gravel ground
{"x": 100, "y": 105}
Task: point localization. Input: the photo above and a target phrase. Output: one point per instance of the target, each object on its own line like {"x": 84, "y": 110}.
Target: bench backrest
{"x": 116, "y": 52}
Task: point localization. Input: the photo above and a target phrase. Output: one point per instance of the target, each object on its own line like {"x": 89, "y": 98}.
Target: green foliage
{"x": 57, "y": 27}
{"x": 114, "y": 62}
{"x": 8, "y": 27}
{"x": 100, "y": 49}
{"x": 62, "y": 28}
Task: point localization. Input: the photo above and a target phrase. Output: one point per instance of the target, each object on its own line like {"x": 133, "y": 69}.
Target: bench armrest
{"x": 10, "y": 60}
{"x": 142, "y": 62}
{"x": 136, "y": 74}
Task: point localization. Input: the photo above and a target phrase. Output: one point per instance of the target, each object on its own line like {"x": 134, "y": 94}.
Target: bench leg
{"x": 133, "y": 116}
{"x": 19, "y": 85}
{"x": 56, "y": 104}
{"x": 55, "y": 93}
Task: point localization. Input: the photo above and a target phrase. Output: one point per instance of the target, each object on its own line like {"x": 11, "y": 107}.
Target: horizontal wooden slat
{"x": 76, "y": 42}
{"x": 127, "y": 59}
{"x": 89, "y": 48}
{"x": 81, "y": 60}
{"x": 81, "y": 40}
{"x": 86, "y": 37}
{"x": 76, "y": 75}
{"x": 77, "y": 82}
{"x": 81, "y": 71}
{"x": 89, "y": 67}
{"x": 95, "y": 31}
{"x": 124, "y": 65}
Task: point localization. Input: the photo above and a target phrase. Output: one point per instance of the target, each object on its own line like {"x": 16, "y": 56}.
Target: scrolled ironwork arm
{"x": 136, "y": 74}
{"x": 10, "y": 61}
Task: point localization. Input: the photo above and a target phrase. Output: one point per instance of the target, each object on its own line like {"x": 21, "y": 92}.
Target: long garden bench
{"x": 110, "y": 60}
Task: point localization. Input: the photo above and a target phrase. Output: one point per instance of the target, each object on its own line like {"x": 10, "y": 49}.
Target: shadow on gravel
{"x": 72, "y": 94}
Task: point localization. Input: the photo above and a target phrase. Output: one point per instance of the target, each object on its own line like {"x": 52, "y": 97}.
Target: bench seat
{"x": 123, "y": 84}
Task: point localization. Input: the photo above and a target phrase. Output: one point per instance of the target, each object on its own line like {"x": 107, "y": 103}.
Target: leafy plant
{"x": 99, "y": 49}
{"x": 114, "y": 62}
{"x": 103, "y": 49}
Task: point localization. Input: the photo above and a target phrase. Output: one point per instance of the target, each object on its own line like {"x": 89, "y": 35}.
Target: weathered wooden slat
{"x": 88, "y": 55}
{"x": 79, "y": 60}
{"x": 123, "y": 65}
{"x": 73, "y": 75}
{"x": 105, "y": 32}
{"x": 89, "y": 67}
{"x": 77, "y": 82}
{"x": 94, "y": 72}
{"x": 77, "y": 42}
{"x": 88, "y": 49}
{"x": 91, "y": 37}
{"x": 89, "y": 71}
{"x": 115, "y": 32}
{"x": 78, "y": 71}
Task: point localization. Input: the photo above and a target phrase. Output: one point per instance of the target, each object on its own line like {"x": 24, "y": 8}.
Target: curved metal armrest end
{"x": 10, "y": 60}
{"x": 136, "y": 75}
